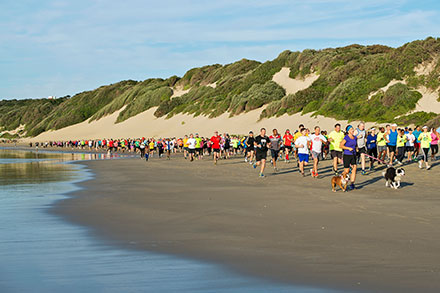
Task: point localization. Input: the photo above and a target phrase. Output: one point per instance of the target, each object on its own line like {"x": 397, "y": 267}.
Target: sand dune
{"x": 428, "y": 102}
{"x": 426, "y": 68}
{"x": 179, "y": 91}
{"x": 146, "y": 124}
{"x": 293, "y": 85}
{"x": 385, "y": 88}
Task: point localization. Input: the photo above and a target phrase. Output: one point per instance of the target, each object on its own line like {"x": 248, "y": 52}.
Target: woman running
{"x": 425, "y": 144}
{"x": 349, "y": 144}
{"x": 434, "y": 143}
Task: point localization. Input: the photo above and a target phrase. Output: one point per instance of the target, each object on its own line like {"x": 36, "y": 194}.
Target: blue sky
{"x": 65, "y": 47}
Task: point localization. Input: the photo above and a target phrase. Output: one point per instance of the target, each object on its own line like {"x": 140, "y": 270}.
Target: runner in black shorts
{"x": 250, "y": 148}
{"x": 262, "y": 143}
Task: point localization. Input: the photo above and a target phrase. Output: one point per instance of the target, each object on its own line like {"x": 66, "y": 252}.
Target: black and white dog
{"x": 393, "y": 177}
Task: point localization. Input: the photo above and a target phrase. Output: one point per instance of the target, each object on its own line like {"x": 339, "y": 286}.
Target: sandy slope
{"x": 146, "y": 124}
{"x": 293, "y": 85}
{"x": 385, "y": 88}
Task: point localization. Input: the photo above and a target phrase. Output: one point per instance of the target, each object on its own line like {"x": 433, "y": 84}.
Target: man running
{"x": 275, "y": 146}
{"x": 262, "y": 142}
{"x": 302, "y": 144}
{"x": 392, "y": 142}
{"x": 361, "y": 136}
{"x": 335, "y": 138}
{"x": 250, "y": 148}
{"x": 215, "y": 140}
{"x": 317, "y": 141}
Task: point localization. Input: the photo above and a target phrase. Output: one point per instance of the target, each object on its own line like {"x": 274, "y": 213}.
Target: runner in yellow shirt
{"x": 335, "y": 138}
{"x": 425, "y": 144}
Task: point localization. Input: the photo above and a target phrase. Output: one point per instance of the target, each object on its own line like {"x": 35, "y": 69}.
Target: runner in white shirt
{"x": 317, "y": 140}
{"x": 302, "y": 144}
{"x": 191, "y": 146}
{"x": 409, "y": 146}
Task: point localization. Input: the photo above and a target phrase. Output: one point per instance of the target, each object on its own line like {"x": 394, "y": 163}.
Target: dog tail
{"x": 383, "y": 174}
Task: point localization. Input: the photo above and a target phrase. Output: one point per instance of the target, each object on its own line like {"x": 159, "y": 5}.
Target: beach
{"x": 284, "y": 227}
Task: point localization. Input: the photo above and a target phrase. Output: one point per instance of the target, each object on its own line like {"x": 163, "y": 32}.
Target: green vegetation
{"x": 347, "y": 76}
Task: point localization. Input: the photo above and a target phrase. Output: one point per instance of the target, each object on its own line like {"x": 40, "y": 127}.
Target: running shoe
{"x": 245, "y": 160}
{"x": 429, "y": 167}
{"x": 312, "y": 173}
{"x": 261, "y": 175}
{"x": 364, "y": 172}
{"x": 420, "y": 164}
{"x": 254, "y": 165}
{"x": 352, "y": 187}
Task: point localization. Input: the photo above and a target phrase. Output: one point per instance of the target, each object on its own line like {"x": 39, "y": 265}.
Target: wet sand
{"x": 282, "y": 227}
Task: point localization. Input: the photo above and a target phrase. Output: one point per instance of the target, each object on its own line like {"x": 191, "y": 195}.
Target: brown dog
{"x": 341, "y": 181}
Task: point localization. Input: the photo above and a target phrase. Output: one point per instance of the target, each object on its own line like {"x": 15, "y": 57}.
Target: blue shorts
{"x": 303, "y": 157}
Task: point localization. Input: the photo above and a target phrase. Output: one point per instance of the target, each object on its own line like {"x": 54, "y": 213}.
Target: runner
{"x": 250, "y": 148}
{"x": 199, "y": 147}
{"x": 262, "y": 142}
{"x": 295, "y": 137}
{"x": 317, "y": 142}
{"x": 409, "y": 146}
{"x": 392, "y": 142}
{"x": 302, "y": 144}
{"x": 361, "y": 144}
{"x": 335, "y": 138}
{"x": 185, "y": 147}
{"x": 401, "y": 141}
{"x": 288, "y": 138}
{"x": 372, "y": 146}
{"x": 425, "y": 144}
{"x": 275, "y": 146}
{"x": 191, "y": 147}
{"x": 417, "y": 133}
{"x": 434, "y": 143}
{"x": 349, "y": 144}
{"x": 381, "y": 144}
{"x": 215, "y": 140}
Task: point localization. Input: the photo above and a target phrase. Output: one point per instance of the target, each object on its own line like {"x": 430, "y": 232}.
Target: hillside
{"x": 371, "y": 83}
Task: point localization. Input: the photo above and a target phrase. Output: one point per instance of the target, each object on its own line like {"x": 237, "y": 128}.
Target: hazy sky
{"x": 65, "y": 47}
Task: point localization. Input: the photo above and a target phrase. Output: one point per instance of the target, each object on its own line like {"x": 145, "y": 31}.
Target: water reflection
{"x": 24, "y": 167}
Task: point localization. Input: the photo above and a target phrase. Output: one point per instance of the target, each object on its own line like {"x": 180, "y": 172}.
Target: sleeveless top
{"x": 361, "y": 138}
{"x": 392, "y": 137}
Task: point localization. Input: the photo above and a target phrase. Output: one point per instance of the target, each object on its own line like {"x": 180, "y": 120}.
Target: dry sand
{"x": 291, "y": 85}
{"x": 283, "y": 227}
{"x": 147, "y": 125}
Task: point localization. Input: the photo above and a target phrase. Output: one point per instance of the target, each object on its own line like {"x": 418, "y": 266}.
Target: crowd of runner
{"x": 349, "y": 148}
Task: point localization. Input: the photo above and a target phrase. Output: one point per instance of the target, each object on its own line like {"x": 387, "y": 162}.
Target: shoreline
{"x": 272, "y": 228}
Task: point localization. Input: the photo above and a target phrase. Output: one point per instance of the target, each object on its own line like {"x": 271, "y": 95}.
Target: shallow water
{"x": 39, "y": 252}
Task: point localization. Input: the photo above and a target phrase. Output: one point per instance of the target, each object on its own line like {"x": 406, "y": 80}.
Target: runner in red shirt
{"x": 288, "y": 138}
{"x": 216, "y": 146}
